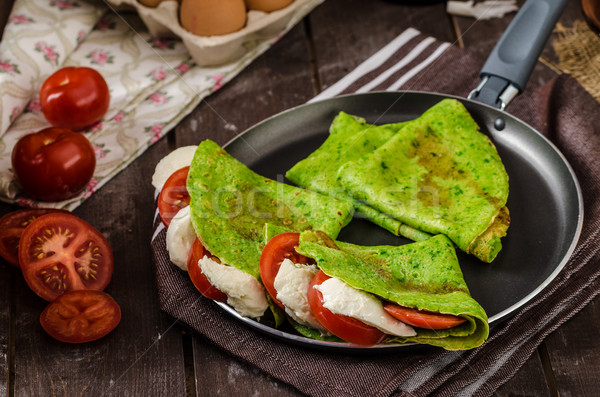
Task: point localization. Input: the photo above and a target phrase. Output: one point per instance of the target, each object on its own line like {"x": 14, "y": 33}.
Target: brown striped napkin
{"x": 560, "y": 109}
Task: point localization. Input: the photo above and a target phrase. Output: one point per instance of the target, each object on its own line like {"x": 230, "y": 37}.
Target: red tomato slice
{"x": 344, "y": 327}
{"x": 81, "y": 316}
{"x": 11, "y": 228}
{"x": 60, "y": 252}
{"x": 198, "y": 278}
{"x": 423, "y": 319}
{"x": 173, "y": 196}
{"x": 276, "y": 250}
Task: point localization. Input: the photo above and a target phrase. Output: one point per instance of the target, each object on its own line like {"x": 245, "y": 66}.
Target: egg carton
{"x": 163, "y": 22}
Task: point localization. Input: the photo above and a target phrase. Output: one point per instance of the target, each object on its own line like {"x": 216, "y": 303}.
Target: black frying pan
{"x": 545, "y": 200}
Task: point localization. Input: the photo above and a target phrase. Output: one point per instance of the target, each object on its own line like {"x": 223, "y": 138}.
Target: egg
{"x": 268, "y": 5}
{"x": 212, "y": 17}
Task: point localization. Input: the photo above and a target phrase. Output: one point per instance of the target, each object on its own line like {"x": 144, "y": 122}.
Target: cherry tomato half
{"x": 81, "y": 316}
{"x": 53, "y": 164}
{"x": 423, "y": 319}
{"x": 11, "y": 228}
{"x": 198, "y": 278}
{"x": 344, "y": 327}
{"x": 74, "y": 97}
{"x": 275, "y": 251}
{"x": 60, "y": 252}
{"x": 173, "y": 196}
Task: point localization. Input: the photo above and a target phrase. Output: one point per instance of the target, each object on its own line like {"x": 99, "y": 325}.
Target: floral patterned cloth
{"x": 153, "y": 83}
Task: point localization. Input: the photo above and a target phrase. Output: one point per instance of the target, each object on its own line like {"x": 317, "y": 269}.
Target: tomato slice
{"x": 81, "y": 316}
{"x": 11, "y": 228}
{"x": 173, "y": 196}
{"x": 422, "y": 318}
{"x": 198, "y": 278}
{"x": 60, "y": 252}
{"x": 275, "y": 251}
{"x": 344, "y": 327}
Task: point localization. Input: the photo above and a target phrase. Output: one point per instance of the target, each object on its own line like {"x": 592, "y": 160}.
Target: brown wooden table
{"x": 150, "y": 354}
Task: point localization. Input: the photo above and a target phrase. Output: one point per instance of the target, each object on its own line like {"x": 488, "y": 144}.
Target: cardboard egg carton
{"x": 163, "y": 22}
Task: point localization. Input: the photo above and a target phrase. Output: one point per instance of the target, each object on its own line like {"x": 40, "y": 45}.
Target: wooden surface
{"x": 149, "y": 353}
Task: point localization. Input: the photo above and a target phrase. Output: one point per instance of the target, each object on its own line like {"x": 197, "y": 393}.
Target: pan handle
{"x": 512, "y": 60}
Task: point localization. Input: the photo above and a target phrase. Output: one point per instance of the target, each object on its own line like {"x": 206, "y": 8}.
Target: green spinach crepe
{"x": 230, "y": 205}
{"x": 350, "y": 137}
{"x": 440, "y": 175}
{"x": 424, "y": 275}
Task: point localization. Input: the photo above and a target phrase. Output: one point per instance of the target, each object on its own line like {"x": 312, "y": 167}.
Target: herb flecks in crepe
{"x": 424, "y": 275}
{"x": 350, "y": 137}
{"x": 230, "y": 205}
{"x": 438, "y": 174}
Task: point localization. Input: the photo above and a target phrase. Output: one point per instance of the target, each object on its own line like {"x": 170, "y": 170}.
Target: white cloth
{"x": 153, "y": 83}
{"x": 482, "y": 10}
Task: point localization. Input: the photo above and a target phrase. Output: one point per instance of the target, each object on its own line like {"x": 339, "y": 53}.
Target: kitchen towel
{"x": 564, "y": 112}
{"x": 153, "y": 82}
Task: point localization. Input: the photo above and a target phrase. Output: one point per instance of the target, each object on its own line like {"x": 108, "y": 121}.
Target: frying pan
{"x": 545, "y": 199}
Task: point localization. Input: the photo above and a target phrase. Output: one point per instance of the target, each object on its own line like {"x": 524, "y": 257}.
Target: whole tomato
{"x": 74, "y": 98}
{"x": 53, "y": 164}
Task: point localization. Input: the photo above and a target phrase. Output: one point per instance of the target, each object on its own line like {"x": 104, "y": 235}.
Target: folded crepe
{"x": 350, "y": 137}
{"x": 230, "y": 205}
{"x": 440, "y": 175}
{"x": 424, "y": 275}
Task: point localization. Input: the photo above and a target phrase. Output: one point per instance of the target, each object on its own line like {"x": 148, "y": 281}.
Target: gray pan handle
{"x": 507, "y": 69}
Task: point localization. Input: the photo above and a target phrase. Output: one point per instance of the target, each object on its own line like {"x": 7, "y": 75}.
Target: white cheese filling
{"x": 291, "y": 284}
{"x": 244, "y": 293}
{"x": 180, "y": 236}
{"x": 178, "y": 158}
{"x": 341, "y": 298}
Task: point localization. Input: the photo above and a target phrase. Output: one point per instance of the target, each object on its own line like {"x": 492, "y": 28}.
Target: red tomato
{"x": 423, "y": 319}
{"x": 11, "y": 228}
{"x": 344, "y": 327}
{"x": 198, "y": 278}
{"x": 74, "y": 98}
{"x": 81, "y": 316}
{"x": 53, "y": 164}
{"x": 276, "y": 250}
{"x": 173, "y": 196}
{"x": 61, "y": 252}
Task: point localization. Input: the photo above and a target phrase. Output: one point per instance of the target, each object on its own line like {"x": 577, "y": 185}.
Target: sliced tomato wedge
{"x": 280, "y": 247}
{"x": 60, "y": 252}
{"x": 11, "y": 228}
{"x": 344, "y": 327}
{"x": 81, "y": 316}
{"x": 422, "y": 318}
{"x": 173, "y": 196}
{"x": 198, "y": 278}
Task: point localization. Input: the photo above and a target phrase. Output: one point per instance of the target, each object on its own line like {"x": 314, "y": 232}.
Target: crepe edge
{"x": 487, "y": 245}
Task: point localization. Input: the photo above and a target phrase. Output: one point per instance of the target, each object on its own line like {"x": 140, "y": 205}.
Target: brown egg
{"x": 212, "y": 17}
{"x": 268, "y": 5}
{"x": 152, "y": 3}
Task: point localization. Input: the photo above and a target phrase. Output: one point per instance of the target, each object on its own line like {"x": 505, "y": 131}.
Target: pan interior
{"x": 544, "y": 199}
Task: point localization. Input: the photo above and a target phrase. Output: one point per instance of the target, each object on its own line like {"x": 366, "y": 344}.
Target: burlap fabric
{"x": 578, "y": 50}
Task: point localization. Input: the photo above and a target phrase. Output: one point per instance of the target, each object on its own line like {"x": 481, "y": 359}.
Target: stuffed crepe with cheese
{"x": 422, "y": 275}
{"x": 230, "y": 205}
